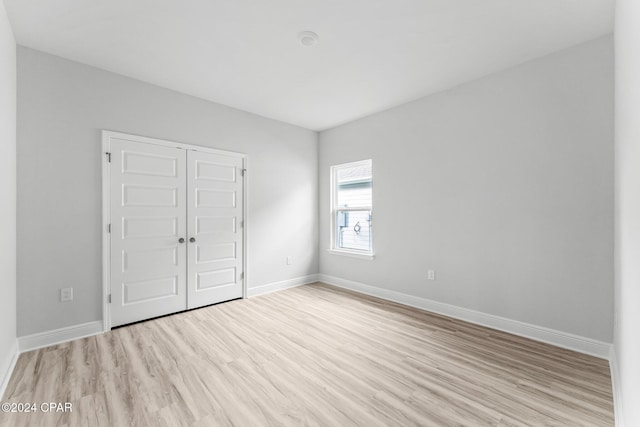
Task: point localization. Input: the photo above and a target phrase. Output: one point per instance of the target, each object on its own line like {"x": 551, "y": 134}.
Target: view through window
{"x": 352, "y": 206}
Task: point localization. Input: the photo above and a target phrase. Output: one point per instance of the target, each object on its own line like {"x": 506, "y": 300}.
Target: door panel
{"x": 148, "y": 216}
{"x": 149, "y": 227}
{"x": 149, "y": 290}
{"x": 149, "y": 195}
{"x": 215, "y": 198}
{"x": 216, "y": 252}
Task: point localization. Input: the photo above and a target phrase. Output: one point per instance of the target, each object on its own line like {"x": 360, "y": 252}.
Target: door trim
{"x": 106, "y": 208}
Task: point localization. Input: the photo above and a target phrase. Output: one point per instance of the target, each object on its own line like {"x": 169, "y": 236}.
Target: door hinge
{"x": 108, "y": 228}
{"x": 243, "y": 172}
{"x": 108, "y": 157}
{"x": 241, "y": 224}
{"x": 109, "y": 298}
{"x": 241, "y": 276}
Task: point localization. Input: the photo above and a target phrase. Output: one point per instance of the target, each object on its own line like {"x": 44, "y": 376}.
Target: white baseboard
{"x": 7, "y": 368}
{"x": 59, "y": 336}
{"x": 615, "y": 385}
{"x": 550, "y": 336}
{"x": 285, "y": 284}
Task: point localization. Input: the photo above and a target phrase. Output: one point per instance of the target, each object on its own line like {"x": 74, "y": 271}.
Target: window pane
{"x": 353, "y": 230}
{"x": 354, "y": 186}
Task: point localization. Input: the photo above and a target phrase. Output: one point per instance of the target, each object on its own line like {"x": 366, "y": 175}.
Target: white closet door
{"x": 148, "y": 219}
{"x": 215, "y": 227}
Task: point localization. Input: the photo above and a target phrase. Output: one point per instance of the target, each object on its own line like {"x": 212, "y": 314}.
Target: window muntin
{"x": 352, "y": 207}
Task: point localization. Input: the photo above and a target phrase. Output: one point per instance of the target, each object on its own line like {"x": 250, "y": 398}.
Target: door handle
{"x": 192, "y": 240}
{"x": 181, "y": 240}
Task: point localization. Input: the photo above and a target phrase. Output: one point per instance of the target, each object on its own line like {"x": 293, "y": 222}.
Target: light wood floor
{"x": 312, "y": 355}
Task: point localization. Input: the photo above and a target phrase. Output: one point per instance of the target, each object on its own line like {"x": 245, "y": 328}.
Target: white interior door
{"x": 215, "y": 226}
{"x": 148, "y": 269}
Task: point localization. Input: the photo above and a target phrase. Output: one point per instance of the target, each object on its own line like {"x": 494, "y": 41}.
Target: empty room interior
{"x": 336, "y": 213}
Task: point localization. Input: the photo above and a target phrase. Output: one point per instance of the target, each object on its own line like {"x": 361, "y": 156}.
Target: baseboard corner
{"x": 7, "y": 370}
{"x": 282, "y": 285}
{"x": 615, "y": 388}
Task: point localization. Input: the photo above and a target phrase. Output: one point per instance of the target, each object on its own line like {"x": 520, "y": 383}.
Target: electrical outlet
{"x": 431, "y": 275}
{"x": 66, "y": 294}
{"x": 289, "y": 260}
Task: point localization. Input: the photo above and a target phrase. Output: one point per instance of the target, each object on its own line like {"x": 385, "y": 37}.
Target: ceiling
{"x": 371, "y": 54}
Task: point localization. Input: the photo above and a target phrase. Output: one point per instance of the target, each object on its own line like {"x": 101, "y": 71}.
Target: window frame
{"x": 334, "y": 209}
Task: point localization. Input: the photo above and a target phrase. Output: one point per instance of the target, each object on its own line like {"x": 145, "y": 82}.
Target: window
{"x": 351, "y": 209}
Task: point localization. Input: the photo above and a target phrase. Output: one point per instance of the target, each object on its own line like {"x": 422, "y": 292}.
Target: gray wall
{"x": 504, "y": 186}
{"x": 7, "y": 193}
{"x": 63, "y": 106}
{"x": 627, "y": 289}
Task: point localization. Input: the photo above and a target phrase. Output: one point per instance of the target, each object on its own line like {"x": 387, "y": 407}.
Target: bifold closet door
{"x": 215, "y": 226}
{"x": 148, "y": 231}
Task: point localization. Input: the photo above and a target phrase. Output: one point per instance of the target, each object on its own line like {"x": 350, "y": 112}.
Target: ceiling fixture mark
{"x": 308, "y": 38}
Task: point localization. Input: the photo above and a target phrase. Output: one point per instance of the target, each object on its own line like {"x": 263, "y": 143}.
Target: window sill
{"x": 360, "y": 255}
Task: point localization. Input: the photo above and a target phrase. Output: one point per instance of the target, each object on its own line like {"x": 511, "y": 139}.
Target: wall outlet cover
{"x": 66, "y": 294}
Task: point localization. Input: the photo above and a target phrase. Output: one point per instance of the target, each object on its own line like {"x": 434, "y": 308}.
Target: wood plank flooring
{"x": 313, "y": 355}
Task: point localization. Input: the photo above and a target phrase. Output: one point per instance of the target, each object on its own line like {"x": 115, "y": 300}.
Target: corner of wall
{"x": 8, "y": 106}
{"x": 7, "y": 366}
